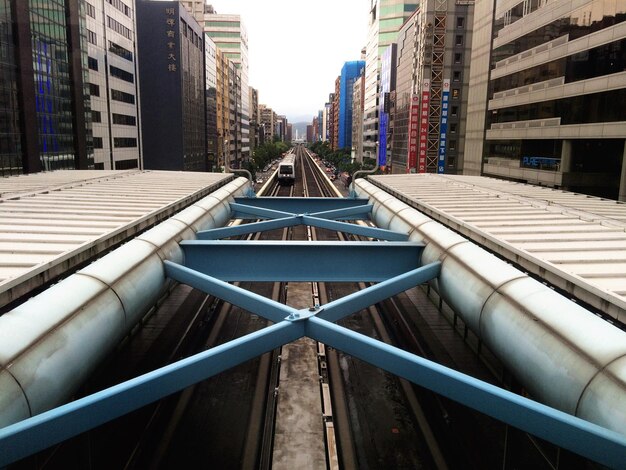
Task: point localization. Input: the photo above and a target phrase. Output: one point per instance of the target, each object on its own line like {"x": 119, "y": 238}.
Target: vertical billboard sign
{"x": 443, "y": 126}
{"x": 411, "y": 161}
{"x": 423, "y": 134}
{"x": 387, "y": 79}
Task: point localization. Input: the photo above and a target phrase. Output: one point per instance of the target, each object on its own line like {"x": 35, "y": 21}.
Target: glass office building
{"x": 43, "y": 123}
{"x": 555, "y": 90}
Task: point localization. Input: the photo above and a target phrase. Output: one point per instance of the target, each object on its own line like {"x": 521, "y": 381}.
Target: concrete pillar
{"x": 566, "y": 156}
{"x": 622, "y": 181}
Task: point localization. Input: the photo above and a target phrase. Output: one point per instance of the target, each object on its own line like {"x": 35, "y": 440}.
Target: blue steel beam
{"x": 255, "y": 303}
{"x": 349, "y": 213}
{"x": 231, "y": 260}
{"x": 240, "y": 211}
{"x": 349, "y": 304}
{"x": 46, "y": 429}
{"x": 582, "y": 437}
{"x": 372, "y": 232}
{"x": 301, "y": 205}
{"x": 245, "y": 229}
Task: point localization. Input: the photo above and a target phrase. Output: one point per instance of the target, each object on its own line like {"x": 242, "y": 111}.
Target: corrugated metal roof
{"x": 50, "y": 222}
{"x": 574, "y": 241}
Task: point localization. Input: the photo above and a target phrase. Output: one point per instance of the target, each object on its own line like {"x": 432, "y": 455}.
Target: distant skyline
{"x": 283, "y": 35}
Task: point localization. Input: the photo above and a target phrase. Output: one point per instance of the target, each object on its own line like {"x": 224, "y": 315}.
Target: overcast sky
{"x": 296, "y": 48}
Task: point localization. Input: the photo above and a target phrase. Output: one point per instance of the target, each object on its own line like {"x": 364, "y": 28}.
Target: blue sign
{"x": 443, "y": 126}
{"x": 542, "y": 163}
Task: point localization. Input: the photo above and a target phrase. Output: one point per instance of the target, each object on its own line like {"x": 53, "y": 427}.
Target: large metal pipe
{"x": 563, "y": 354}
{"x": 50, "y": 344}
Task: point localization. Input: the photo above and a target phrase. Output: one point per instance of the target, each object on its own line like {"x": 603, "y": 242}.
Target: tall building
{"x": 548, "y": 85}
{"x": 334, "y": 140}
{"x": 170, "y": 44}
{"x": 386, "y": 18}
{"x": 349, "y": 73}
{"x": 254, "y": 118}
{"x": 230, "y": 35}
{"x": 223, "y": 111}
{"x": 113, "y": 84}
{"x": 358, "y": 90}
{"x": 45, "y": 117}
{"x": 268, "y": 121}
{"x": 387, "y": 91}
{"x": 210, "y": 75}
{"x": 432, "y": 88}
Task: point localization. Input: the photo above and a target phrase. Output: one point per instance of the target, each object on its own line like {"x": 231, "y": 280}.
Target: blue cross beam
{"x": 46, "y": 429}
{"x": 327, "y": 213}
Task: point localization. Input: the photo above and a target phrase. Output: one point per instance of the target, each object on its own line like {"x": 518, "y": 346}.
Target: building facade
{"x": 45, "y": 117}
{"x": 210, "y": 75}
{"x": 170, "y": 44}
{"x": 432, "y": 86}
{"x": 386, "y": 19}
{"x": 113, "y": 84}
{"x": 230, "y": 35}
{"x": 268, "y": 121}
{"x": 254, "y": 118}
{"x": 387, "y": 92}
{"x": 350, "y": 72}
{"x": 358, "y": 90}
{"x": 550, "y": 83}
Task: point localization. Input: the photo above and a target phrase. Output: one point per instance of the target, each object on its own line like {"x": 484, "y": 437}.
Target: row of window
{"x": 90, "y": 10}
{"x": 121, "y": 6}
{"x": 597, "y": 15}
{"x": 121, "y": 74}
{"x": 188, "y": 32}
{"x": 121, "y": 119}
{"x": 120, "y": 51}
{"x": 117, "y": 95}
{"x": 607, "y": 106}
{"x": 603, "y": 60}
{"x": 119, "y": 28}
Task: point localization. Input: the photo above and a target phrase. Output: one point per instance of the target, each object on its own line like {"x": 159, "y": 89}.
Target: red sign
{"x": 423, "y": 127}
{"x": 411, "y": 163}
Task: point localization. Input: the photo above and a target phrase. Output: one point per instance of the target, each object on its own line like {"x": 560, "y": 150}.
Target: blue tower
{"x": 349, "y": 73}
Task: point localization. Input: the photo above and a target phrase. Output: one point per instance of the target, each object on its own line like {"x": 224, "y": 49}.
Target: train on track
{"x": 287, "y": 169}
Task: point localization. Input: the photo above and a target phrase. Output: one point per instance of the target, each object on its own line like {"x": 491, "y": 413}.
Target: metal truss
{"x": 395, "y": 266}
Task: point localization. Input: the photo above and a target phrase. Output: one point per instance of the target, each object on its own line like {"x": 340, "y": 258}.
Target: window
{"x": 124, "y": 142}
{"x": 124, "y": 119}
{"x": 118, "y": 95}
{"x": 121, "y": 74}
{"x": 454, "y": 111}
{"x": 452, "y": 145}
{"x": 90, "y": 10}
{"x": 120, "y": 51}
{"x": 456, "y": 76}
{"x": 121, "y": 6}
{"x": 119, "y": 28}
{"x": 126, "y": 164}
{"x": 92, "y": 63}
{"x": 96, "y": 116}
{"x": 97, "y": 142}
{"x": 91, "y": 37}
{"x": 94, "y": 90}
{"x": 457, "y": 58}
{"x": 458, "y": 40}
{"x": 453, "y": 127}
{"x": 460, "y": 22}
{"x": 455, "y": 94}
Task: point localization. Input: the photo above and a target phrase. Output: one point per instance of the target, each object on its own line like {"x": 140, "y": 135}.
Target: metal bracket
{"x": 304, "y": 314}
